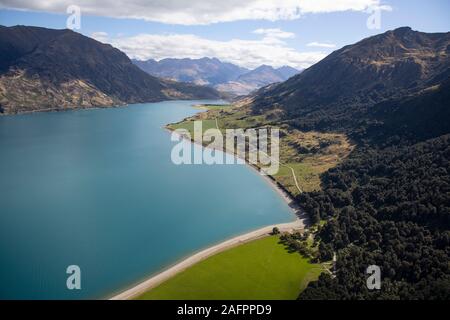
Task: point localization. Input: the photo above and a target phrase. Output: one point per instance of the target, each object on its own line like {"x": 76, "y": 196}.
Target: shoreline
{"x": 55, "y": 110}
{"x": 112, "y": 106}
{"x": 195, "y": 258}
{"x": 299, "y": 223}
{"x": 282, "y": 192}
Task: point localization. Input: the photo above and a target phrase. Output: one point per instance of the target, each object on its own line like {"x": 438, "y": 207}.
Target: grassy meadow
{"x": 261, "y": 269}
{"x": 309, "y": 154}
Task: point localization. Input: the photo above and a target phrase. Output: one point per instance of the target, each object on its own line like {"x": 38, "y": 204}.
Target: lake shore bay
{"x": 280, "y": 189}
{"x": 298, "y": 224}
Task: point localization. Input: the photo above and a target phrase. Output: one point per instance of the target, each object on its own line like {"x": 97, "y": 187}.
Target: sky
{"x": 248, "y": 33}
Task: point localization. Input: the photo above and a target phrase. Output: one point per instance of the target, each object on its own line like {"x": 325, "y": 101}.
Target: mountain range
{"x": 46, "y": 69}
{"x": 223, "y": 76}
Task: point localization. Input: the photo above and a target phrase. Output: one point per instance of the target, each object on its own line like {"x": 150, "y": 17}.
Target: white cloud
{"x": 195, "y": 12}
{"x": 275, "y": 33}
{"x": 246, "y": 53}
{"x": 100, "y": 36}
{"x": 274, "y": 36}
{"x": 321, "y": 45}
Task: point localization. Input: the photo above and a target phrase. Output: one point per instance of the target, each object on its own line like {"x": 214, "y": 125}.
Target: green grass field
{"x": 189, "y": 125}
{"x": 212, "y": 106}
{"x": 261, "y": 269}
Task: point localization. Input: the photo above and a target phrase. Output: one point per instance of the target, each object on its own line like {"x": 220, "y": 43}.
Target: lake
{"x": 97, "y": 188}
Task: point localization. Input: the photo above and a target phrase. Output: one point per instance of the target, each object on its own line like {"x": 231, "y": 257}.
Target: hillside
{"x": 388, "y": 202}
{"x": 44, "y": 69}
{"x": 394, "y": 65}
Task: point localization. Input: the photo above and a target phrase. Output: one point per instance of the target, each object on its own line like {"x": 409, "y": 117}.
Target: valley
{"x": 223, "y": 76}
{"x": 361, "y": 179}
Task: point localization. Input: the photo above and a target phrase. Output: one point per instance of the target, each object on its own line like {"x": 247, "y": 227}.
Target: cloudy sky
{"x": 248, "y": 33}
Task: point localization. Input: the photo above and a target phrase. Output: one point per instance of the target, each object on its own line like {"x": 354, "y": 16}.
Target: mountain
{"x": 262, "y": 76}
{"x": 388, "y": 202}
{"x": 205, "y": 71}
{"x": 257, "y": 78}
{"x": 287, "y": 72}
{"x": 223, "y": 76}
{"x": 44, "y": 69}
{"x": 340, "y": 89}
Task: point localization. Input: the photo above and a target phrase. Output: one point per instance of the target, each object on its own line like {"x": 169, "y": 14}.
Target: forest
{"x": 386, "y": 206}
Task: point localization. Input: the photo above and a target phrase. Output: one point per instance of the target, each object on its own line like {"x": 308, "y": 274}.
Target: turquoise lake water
{"x": 97, "y": 188}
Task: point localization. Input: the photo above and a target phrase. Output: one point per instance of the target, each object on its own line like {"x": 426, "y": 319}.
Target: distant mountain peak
{"x": 402, "y": 30}
{"x": 264, "y": 67}
{"x": 288, "y": 71}
{"x": 211, "y": 71}
{"x": 206, "y": 70}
